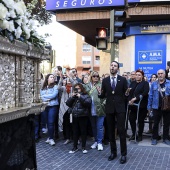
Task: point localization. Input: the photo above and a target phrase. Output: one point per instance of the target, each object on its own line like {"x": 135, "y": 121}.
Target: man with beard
{"x": 114, "y": 88}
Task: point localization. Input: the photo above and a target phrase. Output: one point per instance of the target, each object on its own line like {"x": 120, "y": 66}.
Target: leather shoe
{"x": 132, "y": 138}
{"x": 140, "y": 138}
{"x": 112, "y": 156}
{"x": 127, "y": 136}
{"x": 123, "y": 159}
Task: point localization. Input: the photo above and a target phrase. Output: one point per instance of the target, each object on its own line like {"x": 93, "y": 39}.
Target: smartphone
{"x": 64, "y": 70}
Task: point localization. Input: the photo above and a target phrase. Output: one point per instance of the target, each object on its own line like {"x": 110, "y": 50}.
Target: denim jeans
{"x": 97, "y": 128}
{"x": 37, "y": 126}
{"x": 49, "y": 115}
{"x": 43, "y": 120}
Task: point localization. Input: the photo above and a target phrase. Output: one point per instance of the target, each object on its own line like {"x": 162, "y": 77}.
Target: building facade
{"x": 87, "y": 56}
{"x": 147, "y": 42}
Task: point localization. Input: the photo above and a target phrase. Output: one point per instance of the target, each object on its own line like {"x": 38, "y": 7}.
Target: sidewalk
{"x": 141, "y": 156}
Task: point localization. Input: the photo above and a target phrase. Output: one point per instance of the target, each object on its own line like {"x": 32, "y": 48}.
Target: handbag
{"x": 165, "y": 101}
{"x": 70, "y": 111}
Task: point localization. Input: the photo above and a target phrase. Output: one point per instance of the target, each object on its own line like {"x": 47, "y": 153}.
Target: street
{"x": 141, "y": 156}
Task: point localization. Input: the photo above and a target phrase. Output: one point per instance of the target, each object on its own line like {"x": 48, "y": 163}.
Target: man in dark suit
{"x": 114, "y": 88}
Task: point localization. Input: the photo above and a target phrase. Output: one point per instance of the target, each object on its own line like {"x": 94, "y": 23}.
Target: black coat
{"x": 80, "y": 106}
{"x": 166, "y": 74}
{"x": 138, "y": 89}
{"x": 114, "y": 101}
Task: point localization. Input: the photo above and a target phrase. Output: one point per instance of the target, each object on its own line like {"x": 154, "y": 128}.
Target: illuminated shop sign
{"x": 148, "y": 28}
{"x": 130, "y": 1}
{"x": 76, "y": 4}
{"x": 153, "y": 28}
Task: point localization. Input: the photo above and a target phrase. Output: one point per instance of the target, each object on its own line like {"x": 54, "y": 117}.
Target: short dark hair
{"x": 59, "y": 68}
{"x": 74, "y": 69}
{"x": 154, "y": 75}
{"x": 116, "y": 63}
{"x": 168, "y": 63}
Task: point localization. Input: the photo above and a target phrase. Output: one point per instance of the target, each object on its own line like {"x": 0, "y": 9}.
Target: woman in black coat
{"x": 80, "y": 102}
{"x": 138, "y": 88}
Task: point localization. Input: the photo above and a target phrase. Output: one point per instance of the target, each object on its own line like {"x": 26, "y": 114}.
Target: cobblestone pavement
{"x": 141, "y": 156}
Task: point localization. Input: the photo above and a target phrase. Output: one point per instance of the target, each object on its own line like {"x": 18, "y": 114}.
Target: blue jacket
{"x": 50, "y": 95}
{"x": 153, "y": 100}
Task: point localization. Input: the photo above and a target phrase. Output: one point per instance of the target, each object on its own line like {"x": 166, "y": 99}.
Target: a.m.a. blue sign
{"x": 131, "y": 1}
{"x": 150, "y": 53}
{"x": 52, "y": 5}
{"x": 150, "y": 57}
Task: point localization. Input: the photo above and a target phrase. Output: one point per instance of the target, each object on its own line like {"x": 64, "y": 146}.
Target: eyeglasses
{"x": 95, "y": 76}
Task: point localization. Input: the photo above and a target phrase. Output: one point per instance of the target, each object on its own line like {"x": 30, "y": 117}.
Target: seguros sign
{"x": 75, "y": 4}
{"x": 131, "y": 1}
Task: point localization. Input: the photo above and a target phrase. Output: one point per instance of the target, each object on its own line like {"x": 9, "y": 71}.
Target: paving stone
{"x": 140, "y": 156}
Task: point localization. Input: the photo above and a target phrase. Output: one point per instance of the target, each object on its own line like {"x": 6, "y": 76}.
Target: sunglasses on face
{"x": 95, "y": 76}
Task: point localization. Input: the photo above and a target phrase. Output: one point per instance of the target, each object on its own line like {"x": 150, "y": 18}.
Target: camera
{"x": 75, "y": 90}
{"x": 75, "y": 93}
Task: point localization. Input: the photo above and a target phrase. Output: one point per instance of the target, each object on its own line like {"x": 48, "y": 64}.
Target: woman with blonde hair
{"x": 97, "y": 110}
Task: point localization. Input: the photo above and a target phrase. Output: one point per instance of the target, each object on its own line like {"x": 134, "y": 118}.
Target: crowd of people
{"x": 98, "y": 107}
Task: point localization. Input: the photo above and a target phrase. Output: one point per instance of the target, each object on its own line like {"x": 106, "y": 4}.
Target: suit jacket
{"x": 116, "y": 101}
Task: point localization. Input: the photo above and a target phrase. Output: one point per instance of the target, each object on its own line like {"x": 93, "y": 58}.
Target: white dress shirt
{"x": 115, "y": 80}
